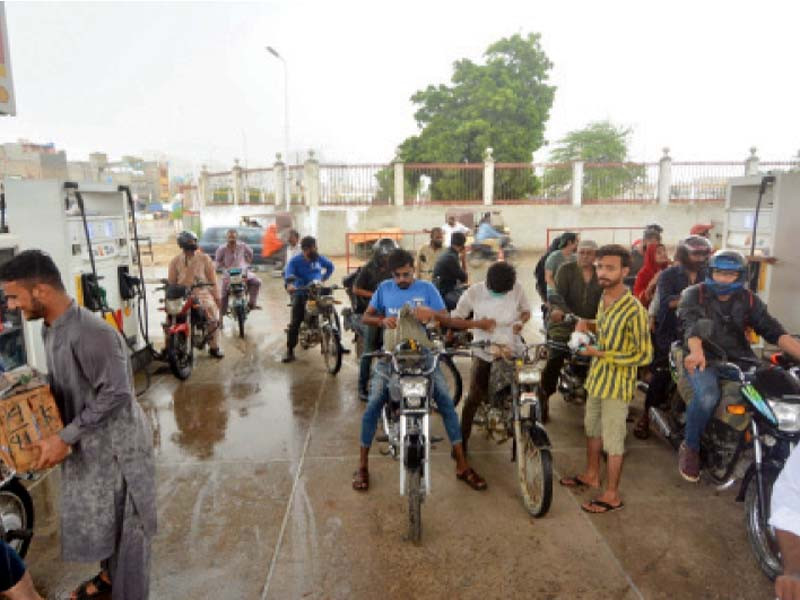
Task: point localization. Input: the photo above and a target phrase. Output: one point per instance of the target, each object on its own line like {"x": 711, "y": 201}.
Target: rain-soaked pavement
{"x": 254, "y": 466}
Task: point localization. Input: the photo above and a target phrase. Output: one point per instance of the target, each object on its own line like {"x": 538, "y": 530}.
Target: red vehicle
{"x": 185, "y": 328}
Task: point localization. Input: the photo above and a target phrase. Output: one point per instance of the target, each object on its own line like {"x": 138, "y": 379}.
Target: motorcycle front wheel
{"x": 331, "y": 348}
{"x": 451, "y": 374}
{"x": 240, "y": 317}
{"x": 534, "y": 473}
{"x": 16, "y": 516}
{"x": 179, "y": 355}
{"x": 759, "y": 533}
{"x": 414, "y": 482}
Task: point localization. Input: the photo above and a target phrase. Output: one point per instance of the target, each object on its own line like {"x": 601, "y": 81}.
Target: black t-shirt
{"x": 369, "y": 278}
{"x": 448, "y": 272}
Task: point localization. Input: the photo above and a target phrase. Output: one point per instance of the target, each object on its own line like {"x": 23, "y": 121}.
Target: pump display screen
{"x": 101, "y": 229}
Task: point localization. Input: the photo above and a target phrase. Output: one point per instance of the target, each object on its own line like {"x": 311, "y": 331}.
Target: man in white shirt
{"x": 501, "y": 299}
{"x": 785, "y": 518}
{"x": 293, "y": 245}
{"x": 451, "y": 227}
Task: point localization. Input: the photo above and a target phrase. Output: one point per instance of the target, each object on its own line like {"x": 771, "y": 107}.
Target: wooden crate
{"x": 25, "y": 418}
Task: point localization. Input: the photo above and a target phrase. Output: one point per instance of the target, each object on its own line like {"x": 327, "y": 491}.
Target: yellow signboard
{"x": 7, "y": 106}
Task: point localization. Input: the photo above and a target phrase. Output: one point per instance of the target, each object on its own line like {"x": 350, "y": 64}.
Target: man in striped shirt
{"x": 623, "y": 345}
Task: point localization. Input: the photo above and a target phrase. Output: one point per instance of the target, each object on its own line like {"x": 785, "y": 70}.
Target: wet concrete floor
{"x": 254, "y": 463}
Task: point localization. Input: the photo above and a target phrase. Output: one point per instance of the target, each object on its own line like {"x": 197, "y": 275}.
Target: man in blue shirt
{"x": 392, "y": 295}
{"x": 300, "y": 271}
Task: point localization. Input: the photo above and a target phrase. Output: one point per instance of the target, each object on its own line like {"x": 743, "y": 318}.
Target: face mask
{"x": 722, "y": 289}
{"x": 497, "y": 294}
{"x": 313, "y": 256}
{"x": 436, "y": 244}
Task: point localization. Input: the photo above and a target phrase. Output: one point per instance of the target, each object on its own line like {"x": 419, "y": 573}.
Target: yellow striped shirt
{"x": 624, "y": 338}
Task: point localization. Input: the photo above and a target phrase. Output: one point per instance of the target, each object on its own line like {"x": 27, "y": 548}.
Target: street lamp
{"x": 274, "y": 53}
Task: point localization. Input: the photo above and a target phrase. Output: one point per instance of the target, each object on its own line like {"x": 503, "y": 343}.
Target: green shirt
{"x": 574, "y": 295}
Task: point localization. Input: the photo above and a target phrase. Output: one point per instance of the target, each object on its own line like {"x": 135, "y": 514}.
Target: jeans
{"x": 706, "y": 395}
{"x": 379, "y": 394}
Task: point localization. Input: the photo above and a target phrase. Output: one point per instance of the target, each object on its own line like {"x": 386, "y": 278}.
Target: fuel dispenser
{"x": 762, "y": 221}
{"x": 89, "y": 230}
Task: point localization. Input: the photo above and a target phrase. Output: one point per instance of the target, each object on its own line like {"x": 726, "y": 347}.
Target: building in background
{"x": 27, "y": 160}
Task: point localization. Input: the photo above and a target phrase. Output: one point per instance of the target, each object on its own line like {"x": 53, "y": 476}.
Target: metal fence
{"x": 620, "y": 183}
{"x": 702, "y": 181}
{"x": 221, "y": 187}
{"x": 259, "y": 186}
{"x": 535, "y": 183}
{"x": 443, "y": 183}
{"x": 353, "y": 185}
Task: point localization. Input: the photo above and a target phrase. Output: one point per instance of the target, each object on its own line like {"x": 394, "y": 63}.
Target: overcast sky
{"x": 193, "y": 80}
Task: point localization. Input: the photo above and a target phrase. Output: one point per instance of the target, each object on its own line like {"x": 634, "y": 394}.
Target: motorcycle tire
{"x": 179, "y": 355}
{"x": 16, "y": 514}
{"x": 331, "y": 348}
{"x": 534, "y": 473}
{"x": 414, "y": 483}
{"x": 759, "y": 533}
{"x": 240, "y": 318}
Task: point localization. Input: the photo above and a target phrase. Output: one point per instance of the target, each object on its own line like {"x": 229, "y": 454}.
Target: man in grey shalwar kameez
{"x": 108, "y": 511}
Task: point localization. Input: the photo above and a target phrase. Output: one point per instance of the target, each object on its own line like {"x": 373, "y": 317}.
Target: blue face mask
{"x": 497, "y": 294}
{"x": 722, "y": 289}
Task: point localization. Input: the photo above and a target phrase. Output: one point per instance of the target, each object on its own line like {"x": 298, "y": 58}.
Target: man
{"x": 623, "y": 345}
{"x": 300, "y": 271}
{"x": 724, "y": 306}
{"x": 565, "y": 254}
{"x": 488, "y": 235}
{"x": 500, "y": 299}
{"x": 692, "y": 256}
{"x": 191, "y": 267}
{"x": 383, "y": 310}
{"x": 449, "y": 272}
{"x": 293, "y": 245}
{"x": 577, "y": 291}
{"x": 651, "y": 235}
{"x": 236, "y": 255}
{"x": 108, "y": 494}
{"x": 785, "y": 519}
{"x": 429, "y": 253}
{"x": 369, "y": 278}
{"x": 452, "y": 226}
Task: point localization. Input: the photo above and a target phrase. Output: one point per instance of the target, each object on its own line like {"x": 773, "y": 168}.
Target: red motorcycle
{"x": 185, "y": 328}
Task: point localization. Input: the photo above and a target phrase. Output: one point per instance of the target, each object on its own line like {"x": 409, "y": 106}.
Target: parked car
{"x": 214, "y": 237}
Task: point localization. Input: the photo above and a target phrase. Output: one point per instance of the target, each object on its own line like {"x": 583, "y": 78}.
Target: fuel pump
{"x": 89, "y": 231}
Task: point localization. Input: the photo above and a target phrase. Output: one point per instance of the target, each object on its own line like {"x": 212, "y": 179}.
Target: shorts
{"x": 607, "y": 418}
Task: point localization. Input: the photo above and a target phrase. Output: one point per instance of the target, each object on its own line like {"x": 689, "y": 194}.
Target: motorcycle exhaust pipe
{"x": 660, "y": 422}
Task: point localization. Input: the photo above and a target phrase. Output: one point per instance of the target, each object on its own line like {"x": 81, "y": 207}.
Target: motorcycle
{"x": 513, "y": 410}
{"x": 16, "y": 510}
{"x": 321, "y": 324}
{"x": 406, "y": 419}
{"x": 186, "y": 326}
{"x": 572, "y": 377}
{"x": 238, "y": 306}
{"x": 478, "y": 252}
{"x": 749, "y": 440}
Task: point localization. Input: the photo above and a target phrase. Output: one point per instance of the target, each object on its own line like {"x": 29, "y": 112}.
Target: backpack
{"x": 538, "y": 273}
{"x": 348, "y": 281}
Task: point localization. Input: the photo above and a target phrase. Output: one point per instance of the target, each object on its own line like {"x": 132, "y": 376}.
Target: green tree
{"x": 502, "y": 104}
{"x": 598, "y": 142}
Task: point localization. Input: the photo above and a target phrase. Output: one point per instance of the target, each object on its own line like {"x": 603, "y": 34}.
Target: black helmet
{"x": 697, "y": 243}
{"x": 384, "y": 247}
{"x": 187, "y": 240}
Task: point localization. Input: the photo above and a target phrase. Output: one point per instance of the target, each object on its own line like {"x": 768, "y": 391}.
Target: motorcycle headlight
{"x": 416, "y": 388}
{"x": 788, "y": 415}
{"x": 529, "y": 375}
{"x": 236, "y": 279}
{"x": 173, "y": 307}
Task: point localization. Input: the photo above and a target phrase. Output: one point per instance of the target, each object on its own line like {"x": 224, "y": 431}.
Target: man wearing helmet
{"x": 369, "y": 278}
{"x": 190, "y": 267}
{"x": 732, "y": 309}
{"x": 692, "y": 256}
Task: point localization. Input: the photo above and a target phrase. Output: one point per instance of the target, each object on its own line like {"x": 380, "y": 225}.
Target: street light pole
{"x": 287, "y": 193}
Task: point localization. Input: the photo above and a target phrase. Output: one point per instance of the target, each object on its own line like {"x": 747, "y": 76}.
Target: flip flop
{"x": 472, "y": 479}
{"x": 361, "y": 480}
{"x": 607, "y": 508}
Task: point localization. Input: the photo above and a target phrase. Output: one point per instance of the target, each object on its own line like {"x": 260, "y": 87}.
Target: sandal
{"x": 642, "y": 429}
{"x": 605, "y": 506}
{"x": 102, "y": 589}
{"x": 361, "y": 480}
{"x": 574, "y": 482}
{"x": 472, "y": 479}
